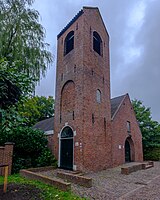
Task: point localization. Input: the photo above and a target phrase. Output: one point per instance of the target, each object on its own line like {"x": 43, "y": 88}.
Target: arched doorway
{"x": 129, "y": 150}
{"x": 66, "y": 148}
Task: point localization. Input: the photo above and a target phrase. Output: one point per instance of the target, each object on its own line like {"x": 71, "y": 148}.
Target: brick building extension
{"x": 91, "y": 131}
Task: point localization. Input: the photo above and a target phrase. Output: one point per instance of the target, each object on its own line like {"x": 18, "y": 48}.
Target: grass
{"x": 48, "y": 192}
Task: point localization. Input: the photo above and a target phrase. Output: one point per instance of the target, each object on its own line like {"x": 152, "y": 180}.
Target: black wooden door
{"x": 127, "y": 152}
{"x": 66, "y": 160}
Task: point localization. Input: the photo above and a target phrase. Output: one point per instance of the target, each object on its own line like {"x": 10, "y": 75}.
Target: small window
{"x": 60, "y": 118}
{"x": 97, "y": 43}
{"x": 77, "y": 26}
{"x": 92, "y": 118}
{"x": 104, "y": 123}
{"x": 92, "y": 72}
{"x": 128, "y": 127}
{"x": 69, "y": 43}
{"x": 98, "y": 96}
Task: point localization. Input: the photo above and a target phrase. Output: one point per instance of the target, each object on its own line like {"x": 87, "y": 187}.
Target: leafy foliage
{"x": 35, "y": 109}
{"x": 150, "y": 131}
{"x": 22, "y": 37}
{"x": 24, "y": 55}
{"x": 152, "y": 154}
{"x": 13, "y": 83}
{"x": 30, "y": 148}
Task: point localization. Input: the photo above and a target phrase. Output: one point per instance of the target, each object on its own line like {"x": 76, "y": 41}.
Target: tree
{"x": 30, "y": 149}
{"x": 150, "y": 131}
{"x": 22, "y": 38}
{"x": 36, "y": 108}
{"x": 24, "y": 57}
{"x": 12, "y": 84}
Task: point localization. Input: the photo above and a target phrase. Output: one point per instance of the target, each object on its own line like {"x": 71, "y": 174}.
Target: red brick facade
{"x": 80, "y": 74}
{"x": 120, "y": 134}
{"x": 50, "y": 144}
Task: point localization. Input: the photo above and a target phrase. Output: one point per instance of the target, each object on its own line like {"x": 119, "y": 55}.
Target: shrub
{"x": 30, "y": 149}
{"x": 152, "y": 154}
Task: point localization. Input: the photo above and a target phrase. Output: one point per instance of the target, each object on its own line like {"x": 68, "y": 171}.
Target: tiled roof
{"x": 45, "y": 125}
{"x": 70, "y": 23}
{"x": 48, "y": 124}
{"x": 115, "y": 103}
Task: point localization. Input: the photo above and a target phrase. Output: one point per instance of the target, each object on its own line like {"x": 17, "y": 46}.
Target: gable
{"x": 115, "y": 104}
{"x": 81, "y": 12}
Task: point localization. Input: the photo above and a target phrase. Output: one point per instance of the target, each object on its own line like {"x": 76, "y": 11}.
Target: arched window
{"x": 67, "y": 104}
{"x": 128, "y": 127}
{"x": 69, "y": 42}
{"x": 68, "y": 97}
{"x": 67, "y": 132}
{"x": 98, "y": 96}
{"x": 97, "y": 43}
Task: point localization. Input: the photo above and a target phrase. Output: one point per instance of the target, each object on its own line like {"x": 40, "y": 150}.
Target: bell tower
{"x": 82, "y": 124}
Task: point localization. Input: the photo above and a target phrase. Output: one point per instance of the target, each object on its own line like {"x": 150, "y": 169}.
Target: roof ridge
{"x": 119, "y": 96}
{"x": 89, "y": 7}
{"x": 71, "y": 22}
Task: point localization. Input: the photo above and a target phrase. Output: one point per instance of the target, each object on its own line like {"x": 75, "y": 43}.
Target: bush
{"x": 45, "y": 159}
{"x": 30, "y": 149}
{"x": 152, "y": 154}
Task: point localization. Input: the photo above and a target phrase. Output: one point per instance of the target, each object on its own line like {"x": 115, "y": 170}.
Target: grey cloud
{"x": 144, "y": 82}
{"x": 140, "y": 76}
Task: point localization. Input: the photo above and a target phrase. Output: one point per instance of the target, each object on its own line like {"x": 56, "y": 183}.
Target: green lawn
{"x": 48, "y": 192}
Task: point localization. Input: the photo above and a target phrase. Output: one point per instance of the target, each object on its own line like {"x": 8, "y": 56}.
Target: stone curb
{"x": 60, "y": 184}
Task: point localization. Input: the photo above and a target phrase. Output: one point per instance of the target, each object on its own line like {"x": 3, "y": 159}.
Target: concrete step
{"x": 148, "y": 166}
{"x": 75, "y": 178}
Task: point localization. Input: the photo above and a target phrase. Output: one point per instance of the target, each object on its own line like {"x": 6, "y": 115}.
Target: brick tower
{"x": 82, "y": 124}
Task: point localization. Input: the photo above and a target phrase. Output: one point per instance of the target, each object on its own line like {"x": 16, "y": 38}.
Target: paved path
{"x": 110, "y": 184}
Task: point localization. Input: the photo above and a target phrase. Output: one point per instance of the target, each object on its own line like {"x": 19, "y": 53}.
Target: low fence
{"x": 6, "y": 154}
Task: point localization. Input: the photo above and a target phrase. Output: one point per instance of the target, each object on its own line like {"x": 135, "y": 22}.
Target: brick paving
{"x": 110, "y": 184}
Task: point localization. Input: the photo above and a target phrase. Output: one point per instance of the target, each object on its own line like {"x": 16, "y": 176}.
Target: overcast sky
{"x": 134, "y": 29}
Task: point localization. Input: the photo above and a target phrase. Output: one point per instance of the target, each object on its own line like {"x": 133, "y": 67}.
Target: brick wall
{"x": 120, "y": 134}
{"x": 50, "y": 143}
{"x": 6, "y": 154}
{"x": 88, "y": 72}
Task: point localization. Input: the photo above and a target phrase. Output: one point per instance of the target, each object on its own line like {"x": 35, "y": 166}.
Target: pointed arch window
{"x": 98, "y": 96}
{"x": 128, "y": 126}
{"x": 97, "y": 43}
{"x": 69, "y": 43}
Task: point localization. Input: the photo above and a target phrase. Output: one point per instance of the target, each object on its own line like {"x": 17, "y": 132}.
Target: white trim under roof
{"x": 50, "y": 132}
